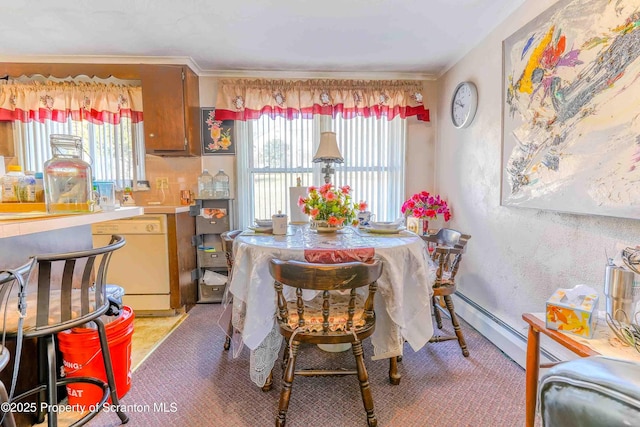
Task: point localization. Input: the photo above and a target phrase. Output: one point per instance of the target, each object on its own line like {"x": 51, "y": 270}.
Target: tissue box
{"x": 573, "y": 310}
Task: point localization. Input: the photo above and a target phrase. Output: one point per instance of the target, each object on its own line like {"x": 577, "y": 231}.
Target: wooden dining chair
{"x": 449, "y": 245}
{"x": 332, "y": 317}
{"x": 227, "y": 247}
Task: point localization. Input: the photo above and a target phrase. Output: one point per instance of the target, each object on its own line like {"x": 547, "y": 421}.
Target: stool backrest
{"x": 65, "y": 290}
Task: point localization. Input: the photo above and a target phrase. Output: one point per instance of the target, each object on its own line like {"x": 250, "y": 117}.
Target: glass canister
{"x": 205, "y": 185}
{"x": 221, "y": 185}
{"x": 67, "y": 178}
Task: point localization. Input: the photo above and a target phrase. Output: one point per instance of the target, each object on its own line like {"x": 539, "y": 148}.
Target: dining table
{"x": 403, "y": 305}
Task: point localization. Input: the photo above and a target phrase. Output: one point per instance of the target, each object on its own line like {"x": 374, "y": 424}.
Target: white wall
{"x": 421, "y": 140}
{"x": 517, "y": 257}
{"x": 208, "y": 94}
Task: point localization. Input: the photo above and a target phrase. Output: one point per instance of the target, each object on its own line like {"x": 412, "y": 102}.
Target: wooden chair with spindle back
{"x": 332, "y": 317}
{"x": 447, "y": 255}
{"x": 227, "y": 239}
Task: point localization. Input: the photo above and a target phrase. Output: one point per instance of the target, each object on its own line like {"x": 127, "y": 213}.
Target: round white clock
{"x": 463, "y": 104}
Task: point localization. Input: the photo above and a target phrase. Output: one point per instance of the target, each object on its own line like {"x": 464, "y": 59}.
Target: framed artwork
{"x": 217, "y": 135}
{"x": 571, "y": 110}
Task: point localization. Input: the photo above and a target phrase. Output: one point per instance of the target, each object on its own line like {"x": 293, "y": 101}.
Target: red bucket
{"x": 82, "y": 357}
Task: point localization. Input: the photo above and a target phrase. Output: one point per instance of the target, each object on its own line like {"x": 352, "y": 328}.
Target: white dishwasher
{"x": 141, "y": 267}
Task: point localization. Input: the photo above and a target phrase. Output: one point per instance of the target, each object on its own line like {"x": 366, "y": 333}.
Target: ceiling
{"x": 394, "y": 37}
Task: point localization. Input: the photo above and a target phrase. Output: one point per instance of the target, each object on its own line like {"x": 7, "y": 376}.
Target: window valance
{"x": 244, "y": 99}
{"x": 57, "y": 101}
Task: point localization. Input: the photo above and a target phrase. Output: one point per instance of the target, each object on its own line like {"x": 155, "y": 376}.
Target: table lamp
{"x": 328, "y": 152}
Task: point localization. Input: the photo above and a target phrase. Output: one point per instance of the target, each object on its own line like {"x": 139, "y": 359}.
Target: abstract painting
{"x": 217, "y": 135}
{"x": 571, "y": 112}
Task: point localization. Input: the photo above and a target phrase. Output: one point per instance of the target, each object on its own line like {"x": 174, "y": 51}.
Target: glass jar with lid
{"x": 67, "y": 177}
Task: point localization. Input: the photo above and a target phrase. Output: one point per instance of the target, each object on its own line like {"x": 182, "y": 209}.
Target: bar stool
{"x": 68, "y": 290}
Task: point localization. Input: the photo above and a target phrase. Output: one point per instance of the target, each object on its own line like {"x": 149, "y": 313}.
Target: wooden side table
{"x": 537, "y": 325}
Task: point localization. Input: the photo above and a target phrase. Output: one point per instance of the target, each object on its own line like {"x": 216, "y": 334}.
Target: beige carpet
{"x": 191, "y": 381}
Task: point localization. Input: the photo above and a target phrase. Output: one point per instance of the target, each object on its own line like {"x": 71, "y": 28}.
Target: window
{"x": 280, "y": 150}
{"x": 111, "y": 149}
{"x": 106, "y": 114}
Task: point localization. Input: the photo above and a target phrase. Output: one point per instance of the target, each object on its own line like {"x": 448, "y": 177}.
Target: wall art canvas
{"x": 217, "y": 135}
{"x": 571, "y": 113}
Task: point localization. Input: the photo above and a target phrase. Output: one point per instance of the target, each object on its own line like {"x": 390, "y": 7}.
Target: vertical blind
{"x": 111, "y": 149}
{"x": 277, "y": 151}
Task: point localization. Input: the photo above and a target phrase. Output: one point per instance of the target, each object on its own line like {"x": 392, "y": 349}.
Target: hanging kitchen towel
{"x": 211, "y": 278}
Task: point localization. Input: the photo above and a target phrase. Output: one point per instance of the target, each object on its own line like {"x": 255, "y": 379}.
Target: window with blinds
{"x": 111, "y": 149}
{"x": 278, "y": 151}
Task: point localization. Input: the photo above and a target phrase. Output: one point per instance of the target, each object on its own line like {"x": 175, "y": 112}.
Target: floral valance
{"x": 244, "y": 99}
{"x": 57, "y": 101}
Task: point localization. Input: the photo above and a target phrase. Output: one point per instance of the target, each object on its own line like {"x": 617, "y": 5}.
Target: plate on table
{"x": 370, "y": 229}
{"x": 385, "y": 225}
{"x": 258, "y": 229}
{"x": 263, "y": 223}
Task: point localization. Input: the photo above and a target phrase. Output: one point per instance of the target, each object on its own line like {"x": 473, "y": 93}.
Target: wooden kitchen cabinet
{"x": 170, "y": 96}
{"x": 182, "y": 260}
{"x": 171, "y": 106}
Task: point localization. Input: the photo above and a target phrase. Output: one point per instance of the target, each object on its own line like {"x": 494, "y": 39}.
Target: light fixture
{"x": 328, "y": 152}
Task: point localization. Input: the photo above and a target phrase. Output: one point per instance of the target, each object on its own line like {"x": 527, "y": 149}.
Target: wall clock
{"x": 463, "y": 104}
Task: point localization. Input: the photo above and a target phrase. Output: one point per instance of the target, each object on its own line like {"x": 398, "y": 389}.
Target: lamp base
{"x": 328, "y": 170}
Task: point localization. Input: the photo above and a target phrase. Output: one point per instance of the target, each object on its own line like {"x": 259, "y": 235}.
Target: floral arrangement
{"x": 330, "y": 204}
{"x": 425, "y": 205}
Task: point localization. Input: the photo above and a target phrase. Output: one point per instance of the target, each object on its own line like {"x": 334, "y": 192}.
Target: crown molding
{"x": 186, "y": 60}
{"x": 290, "y": 74}
{"x": 95, "y": 59}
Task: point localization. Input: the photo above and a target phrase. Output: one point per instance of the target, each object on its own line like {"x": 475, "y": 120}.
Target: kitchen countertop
{"x": 163, "y": 209}
{"x": 21, "y": 227}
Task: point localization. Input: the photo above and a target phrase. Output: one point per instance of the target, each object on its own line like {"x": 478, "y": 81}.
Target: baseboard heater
{"x": 509, "y": 340}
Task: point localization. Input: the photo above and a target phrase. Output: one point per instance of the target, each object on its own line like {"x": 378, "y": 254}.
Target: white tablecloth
{"x": 403, "y": 303}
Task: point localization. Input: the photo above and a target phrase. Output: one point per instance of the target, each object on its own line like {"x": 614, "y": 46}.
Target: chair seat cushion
{"x": 591, "y": 391}
{"x": 11, "y": 325}
{"x": 338, "y": 313}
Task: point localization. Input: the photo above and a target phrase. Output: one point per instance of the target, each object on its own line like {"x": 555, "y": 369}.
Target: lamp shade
{"x": 328, "y": 149}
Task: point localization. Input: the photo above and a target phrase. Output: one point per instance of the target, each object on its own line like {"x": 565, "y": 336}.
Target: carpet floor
{"x": 190, "y": 381}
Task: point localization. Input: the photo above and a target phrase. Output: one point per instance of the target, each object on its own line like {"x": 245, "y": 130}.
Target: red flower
{"x": 426, "y": 205}
{"x": 325, "y": 188}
